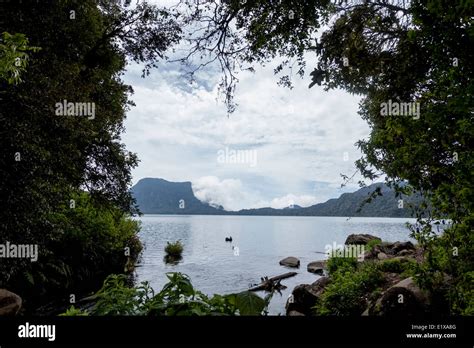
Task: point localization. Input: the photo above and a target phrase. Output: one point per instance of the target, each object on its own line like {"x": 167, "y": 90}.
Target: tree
{"x": 50, "y": 156}
{"x": 14, "y": 57}
{"x": 414, "y": 54}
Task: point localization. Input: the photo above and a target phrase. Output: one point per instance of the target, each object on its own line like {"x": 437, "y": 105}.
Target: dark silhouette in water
{"x": 228, "y": 239}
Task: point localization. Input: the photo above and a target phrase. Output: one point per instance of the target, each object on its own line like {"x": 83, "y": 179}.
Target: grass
{"x": 174, "y": 249}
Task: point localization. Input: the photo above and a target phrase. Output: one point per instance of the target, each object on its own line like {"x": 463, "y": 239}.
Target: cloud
{"x": 233, "y": 195}
{"x": 291, "y": 199}
{"x": 228, "y": 193}
{"x": 303, "y": 138}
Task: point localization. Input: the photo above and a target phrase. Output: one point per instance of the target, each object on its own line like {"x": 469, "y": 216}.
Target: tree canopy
{"x": 415, "y": 54}
{"x": 49, "y": 159}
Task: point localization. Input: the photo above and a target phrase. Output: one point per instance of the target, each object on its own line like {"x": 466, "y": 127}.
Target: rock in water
{"x": 317, "y": 267}
{"x": 305, "y": 296}
{"x": 10, "y": 303}
{"x": 360, "y": 239}
{"x": 290, "y": 262}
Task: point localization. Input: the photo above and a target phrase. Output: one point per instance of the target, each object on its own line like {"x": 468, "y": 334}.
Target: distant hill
{"x": 348, "y": 204}
{"x": 158, "y": 196}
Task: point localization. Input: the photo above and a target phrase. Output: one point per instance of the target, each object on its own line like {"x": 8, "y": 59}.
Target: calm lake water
{"x": 262, "y": 241}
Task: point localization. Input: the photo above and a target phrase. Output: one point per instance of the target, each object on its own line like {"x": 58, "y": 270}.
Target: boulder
{"x": 360, "y": 239}
{"x": 401, "y": 300}
{"x": 305, "y": 296}
{"x": 405, "y": 252}
{"x": 399, "y": 246}
{"x": 382, "y": 256}
{"x": 290, "y": 262}
{"x": 317, "y": 267}
{"x": 295, "y": 314}
{"x": 10, "y": 303}
{"x": 368, "y": 255}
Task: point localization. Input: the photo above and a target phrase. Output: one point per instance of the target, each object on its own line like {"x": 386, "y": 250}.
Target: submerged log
{"x": 271, "y": 282}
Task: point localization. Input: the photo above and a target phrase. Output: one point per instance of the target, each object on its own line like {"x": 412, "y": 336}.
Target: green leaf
{"x": 249, "y": 303}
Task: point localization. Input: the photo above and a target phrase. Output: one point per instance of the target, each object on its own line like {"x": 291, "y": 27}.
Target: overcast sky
{"x": 296, "y": 139}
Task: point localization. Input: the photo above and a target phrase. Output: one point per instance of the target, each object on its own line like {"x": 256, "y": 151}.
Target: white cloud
{"x": 299, "y": 135}
{"x": 291, "y": 199}
{"x": 228, "y": 193}
{"x": 232, "y": 195}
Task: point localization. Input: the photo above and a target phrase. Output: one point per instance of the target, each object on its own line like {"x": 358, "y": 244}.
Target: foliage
{"x": 394, "y": 54}
{"x": 348, "y": 292}
{"x": 178, "y": 297}
{"x": 405, "y": 266}
{"x": 372, "y": 243}
{"x": 174, "y": 249}
{"x": 47, "y": 160}
{"x": 335, "y": 264}
{"x": 74, "y": 312}
{"x": 89, "y": 245}
{"x": 14, "y": 56}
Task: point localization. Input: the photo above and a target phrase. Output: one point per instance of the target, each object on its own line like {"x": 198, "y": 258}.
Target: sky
{"x": 280, "y": 146}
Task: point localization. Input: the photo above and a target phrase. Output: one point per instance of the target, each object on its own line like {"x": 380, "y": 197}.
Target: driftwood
{"x": 273, "y": 283}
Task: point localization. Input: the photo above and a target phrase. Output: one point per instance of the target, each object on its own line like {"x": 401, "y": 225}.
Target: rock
{"x": 316, "y": 270}
{"x": 368, "y": 255}
{"x": 380, "y": 248}
{"x": 399, "y": 246}
{"x": 295, "y": 314}
{"x": 360, "y": 239}
{"x": 405, "y": 252}
{"x": 290, "y": 262}
{"x": 321, "y": 283}
{"x": 401, "y": 300}
{"x": 305, "y": 296}
{"x": 317, "y": 267}
{"x": 10, "y": 303}
{"x": 402, "y": 258}
{"x": 382, "y": 256}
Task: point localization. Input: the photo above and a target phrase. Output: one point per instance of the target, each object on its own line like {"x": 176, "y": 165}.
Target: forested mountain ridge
{"x": 158, "y": 196}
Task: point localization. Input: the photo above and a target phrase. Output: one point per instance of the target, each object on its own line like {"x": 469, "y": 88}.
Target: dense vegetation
{"x": 354, "y": 285}
{"x": 174, "y": 249}
{"x": 178, "y": 297}
{"x": 64, "y": 180}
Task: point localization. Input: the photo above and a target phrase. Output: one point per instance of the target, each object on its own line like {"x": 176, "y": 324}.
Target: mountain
{"x": 348, "y": 204}
{"x": 158, "y": 196}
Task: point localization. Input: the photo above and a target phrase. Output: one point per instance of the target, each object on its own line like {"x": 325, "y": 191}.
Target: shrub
{"x": 174, "y": 249}
{"x": 404, "y": 266}
{"x": 349, "y": 290}
{"x": 370, "y": 245}
{"x": 89, "y": 244}
{"x": 337, "y": 263}
{"x": 178, "y": 297}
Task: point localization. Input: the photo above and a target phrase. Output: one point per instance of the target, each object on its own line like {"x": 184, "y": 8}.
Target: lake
{"x": 262, "y": 241}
